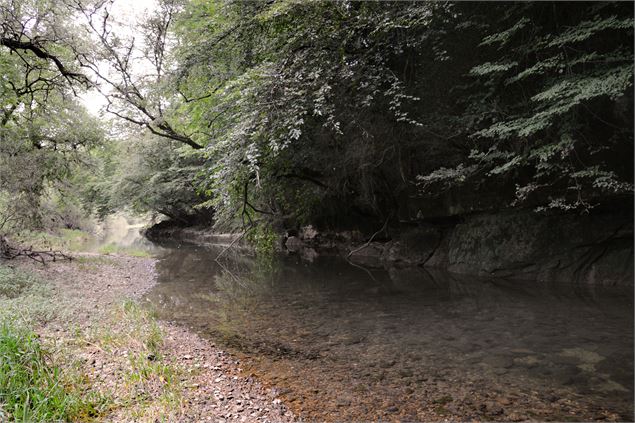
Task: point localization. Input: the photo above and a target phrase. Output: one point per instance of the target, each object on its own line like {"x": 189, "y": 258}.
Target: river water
{"x": 346, "y": 343}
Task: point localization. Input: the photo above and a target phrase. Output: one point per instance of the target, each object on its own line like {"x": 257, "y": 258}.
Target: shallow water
{"x": 347, "y": 343}
{"x": 124, "y": 233}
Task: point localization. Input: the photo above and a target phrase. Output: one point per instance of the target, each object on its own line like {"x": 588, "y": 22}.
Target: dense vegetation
{"x": 331, "y": 113}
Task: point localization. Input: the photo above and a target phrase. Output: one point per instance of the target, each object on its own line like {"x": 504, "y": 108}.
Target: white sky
{"x": 127, "y": 11}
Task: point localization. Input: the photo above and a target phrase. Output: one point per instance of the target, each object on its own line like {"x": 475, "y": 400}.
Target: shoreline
{"x": 98, "y": 327}
{"x": 587, "y": 250}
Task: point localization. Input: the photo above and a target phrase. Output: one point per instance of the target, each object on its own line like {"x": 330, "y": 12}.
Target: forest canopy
{"x": 335, "y": 113}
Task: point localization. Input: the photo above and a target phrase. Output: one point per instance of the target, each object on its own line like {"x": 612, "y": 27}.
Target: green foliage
{"x": 127, "y": 251}
{"x": 32, "y": 389}
{"x": 300, "y": 102}
{"x": 44, "y": 131}
{"x": 331, "y": 113}
{"x": 554, "y": 108}
{"x": 142, "y": 175}
{"x": 305, "y": 107}
{"x": 264, "y": 239}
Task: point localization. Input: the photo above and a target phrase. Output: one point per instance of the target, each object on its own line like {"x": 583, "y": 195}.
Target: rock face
{"x": 595, "y": 249}
{"x": 592, "y": 249}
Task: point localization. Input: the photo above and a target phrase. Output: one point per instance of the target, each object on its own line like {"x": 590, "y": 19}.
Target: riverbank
{"x": 115, "y": 357}
{"x": 594, "y": 249}
{"x": 344, "y": 343}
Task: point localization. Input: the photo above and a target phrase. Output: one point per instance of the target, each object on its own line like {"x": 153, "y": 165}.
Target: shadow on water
{"x": 354, "y": 343}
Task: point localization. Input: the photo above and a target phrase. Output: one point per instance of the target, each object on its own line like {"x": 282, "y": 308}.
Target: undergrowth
{"x": 149, "y": 385}
{"x": 33, "y": 387}
{"x": 46, "y": 380}
{"x": 126, "y": 251}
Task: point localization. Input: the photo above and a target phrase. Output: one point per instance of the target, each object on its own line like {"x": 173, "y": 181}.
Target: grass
{"x": 93, "y": 263}
{"x": 126, "y": 251}
{"x": 32, "y": 388}
{"x": 46, "y": 379}
{"x": 23, "y": 295}
{"x": 150, "y": 387}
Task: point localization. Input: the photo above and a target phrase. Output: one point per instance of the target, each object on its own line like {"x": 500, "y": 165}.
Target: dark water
{"x": 348, "y": 343}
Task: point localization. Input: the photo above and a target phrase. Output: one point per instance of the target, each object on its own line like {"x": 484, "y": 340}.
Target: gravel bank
{"x": 210, "y": 384}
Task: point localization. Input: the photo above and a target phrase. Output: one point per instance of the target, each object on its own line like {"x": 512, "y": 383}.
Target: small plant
{"x": 24, "y": 295}
{"x": 264, "y": 239}
{"x": 13, "y": 283}
{"x": 32, "y": 389}
{"x": 126, "y": 251}
{"x": 133, "y": 331}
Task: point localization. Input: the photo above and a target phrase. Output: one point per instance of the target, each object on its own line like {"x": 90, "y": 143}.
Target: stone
{"x": 499, "y": 361}
{"x": 293, "y": 244}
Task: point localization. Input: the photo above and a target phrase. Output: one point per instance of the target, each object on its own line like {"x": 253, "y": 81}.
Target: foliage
{"x": 312, "y": 111}
{"x": 340, "y": 113}
{"x": 44, "y": 131}
{"x": 553, "y": 105}
{"x": 264, "y": 239}
{"x": 300, "y": 103}
{"x": 142, "y": 175}
{"x": 33, "y": 388}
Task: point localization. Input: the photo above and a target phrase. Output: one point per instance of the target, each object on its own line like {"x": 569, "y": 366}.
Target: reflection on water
{"x": 122, "y": 232}
{"x": 352, "y": 344}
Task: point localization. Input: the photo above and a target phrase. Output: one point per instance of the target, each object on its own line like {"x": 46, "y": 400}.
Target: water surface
{"x": 343, "y": 342}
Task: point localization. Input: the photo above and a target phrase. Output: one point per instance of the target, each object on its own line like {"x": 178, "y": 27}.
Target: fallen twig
{"x": 232, "y": 244}
{"x": 371, "y": 238}
{"x": 9, "y": 252}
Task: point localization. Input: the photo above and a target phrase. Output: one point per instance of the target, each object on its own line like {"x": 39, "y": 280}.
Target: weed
{"x": 151, "y": 387}
{"x": 25, "y": 296}
{"x": 32, "y": 389}
{"x": 126, "y": 251}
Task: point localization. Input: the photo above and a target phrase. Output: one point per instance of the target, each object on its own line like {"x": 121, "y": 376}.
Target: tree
{"x": 305, "y": 107}
{"x": 43, "y": 130}
{"x": 551, "y": 106}
{"x": 131, "y": 72}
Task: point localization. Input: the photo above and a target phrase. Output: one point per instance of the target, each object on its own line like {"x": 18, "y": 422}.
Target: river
{"x": 342, "y": 342}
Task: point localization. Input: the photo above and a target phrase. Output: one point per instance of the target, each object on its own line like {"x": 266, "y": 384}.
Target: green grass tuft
{"x": 126, "y": 251}
{"x": 34, "y": 390}
{"x": 24, "y": 295}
